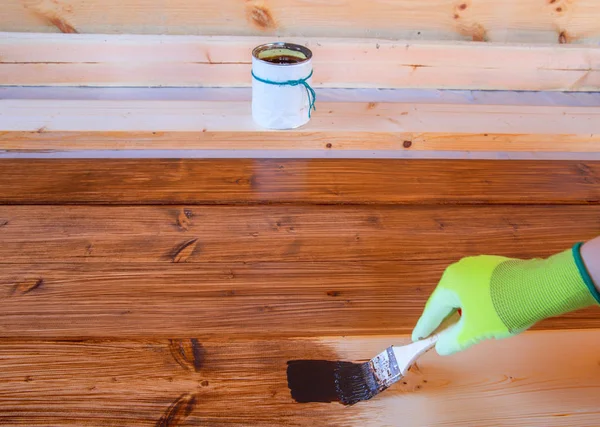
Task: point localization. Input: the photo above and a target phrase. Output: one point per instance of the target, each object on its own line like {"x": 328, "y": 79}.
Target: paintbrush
{"x": 349, "y": 383}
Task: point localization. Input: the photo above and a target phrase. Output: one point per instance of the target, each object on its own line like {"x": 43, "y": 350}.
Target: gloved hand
{"x": 500, "y": 297}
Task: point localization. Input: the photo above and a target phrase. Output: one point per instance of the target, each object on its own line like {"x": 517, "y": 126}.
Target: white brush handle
{"x": 407, "y": 355}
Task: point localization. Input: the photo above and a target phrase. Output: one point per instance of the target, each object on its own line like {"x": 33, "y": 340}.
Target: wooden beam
{"x": 128, "y": 60}
{"x": 299, "y": 141}
{"x": 155, "y": 300}
{"x": 516, "y": 20}
{"x": 306, "y": 139}
{"x": 332, "y": 117}
{"x": 538, "y": 379}
{"x": 243, "y": 181}
{"x": 288, "y": 233}
{"x": 33, "y": 124}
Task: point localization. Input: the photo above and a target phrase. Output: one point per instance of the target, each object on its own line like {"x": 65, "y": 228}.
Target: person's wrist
{"x": 589, "y": 252}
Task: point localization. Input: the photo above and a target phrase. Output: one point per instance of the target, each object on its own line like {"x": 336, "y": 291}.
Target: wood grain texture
{"x": 186, "y": 314}
{"x": 228, "y": 125}
{"x": 46, "y": 141}
{"x": 143, "y": 125}
{"x": 200, "y": 381}
{"x": 234, "y": 117}
{"x": 213, "y": 300}
{"x": 287, "y": 233}
{"x": 310, "y": 181}
{"x": 514, "y": 20}
{"x": 128, "y": 60}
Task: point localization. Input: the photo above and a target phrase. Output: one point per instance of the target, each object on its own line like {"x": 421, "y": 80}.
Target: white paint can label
{"x": 282, "y": 94}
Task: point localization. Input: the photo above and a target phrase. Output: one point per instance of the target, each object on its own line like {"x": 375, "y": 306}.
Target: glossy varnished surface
{"x": 173, "y": 293}
{"x": 308, "y": 181}
{"x": 146, "y": 300}
{"x": 176, "y": 234}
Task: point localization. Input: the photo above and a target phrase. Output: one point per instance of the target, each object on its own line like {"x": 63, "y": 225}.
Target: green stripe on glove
{"x": 500, "y": 297}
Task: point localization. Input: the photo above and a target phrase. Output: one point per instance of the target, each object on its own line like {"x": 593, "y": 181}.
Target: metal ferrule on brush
{"x": 386, "y": 369}
{"x": 356, "y": 382}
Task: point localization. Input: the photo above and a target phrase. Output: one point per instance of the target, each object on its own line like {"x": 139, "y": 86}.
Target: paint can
{"x": 282, "y": 95}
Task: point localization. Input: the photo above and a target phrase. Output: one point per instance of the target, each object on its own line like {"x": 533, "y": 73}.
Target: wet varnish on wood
{"x": 302, "y": 181}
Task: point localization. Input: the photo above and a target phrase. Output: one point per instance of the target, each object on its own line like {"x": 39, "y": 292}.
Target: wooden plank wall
{"x": 173, "y": 292}
{"x": 134, "y": 60}
{"x": 547, "y": 21}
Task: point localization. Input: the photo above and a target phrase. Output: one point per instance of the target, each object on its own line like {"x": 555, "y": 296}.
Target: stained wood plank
{"x": 129, "y": 60}
{"x": 514, "y": 20}
{"x": 268, "y": 299}
{"x": 287, "y": 233}
{"x": 242, "y": 181}
{"x": 243, "y": 382}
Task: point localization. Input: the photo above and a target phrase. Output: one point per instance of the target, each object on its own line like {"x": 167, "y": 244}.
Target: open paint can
{"x": 282, "y": 95}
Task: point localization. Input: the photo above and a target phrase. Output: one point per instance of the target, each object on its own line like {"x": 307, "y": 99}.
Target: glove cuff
{"x": 585, "y": 275}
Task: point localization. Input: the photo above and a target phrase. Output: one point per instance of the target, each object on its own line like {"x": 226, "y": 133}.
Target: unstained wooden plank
{"x": 43, "y": 140}
{"x": 512, "y": 20}
{"x": 50, "y": 125}
{"x": 234, "y": 117}
{"x": 128, "y": 60}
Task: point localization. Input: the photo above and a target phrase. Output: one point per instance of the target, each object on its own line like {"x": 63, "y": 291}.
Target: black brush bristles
{"x": 355, "y": 382}
{"x": 312, "y": 381}
{"x": 331, "y": 381}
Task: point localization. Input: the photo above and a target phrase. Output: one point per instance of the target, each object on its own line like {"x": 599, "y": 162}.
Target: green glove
{"x": 500, "y": 297}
